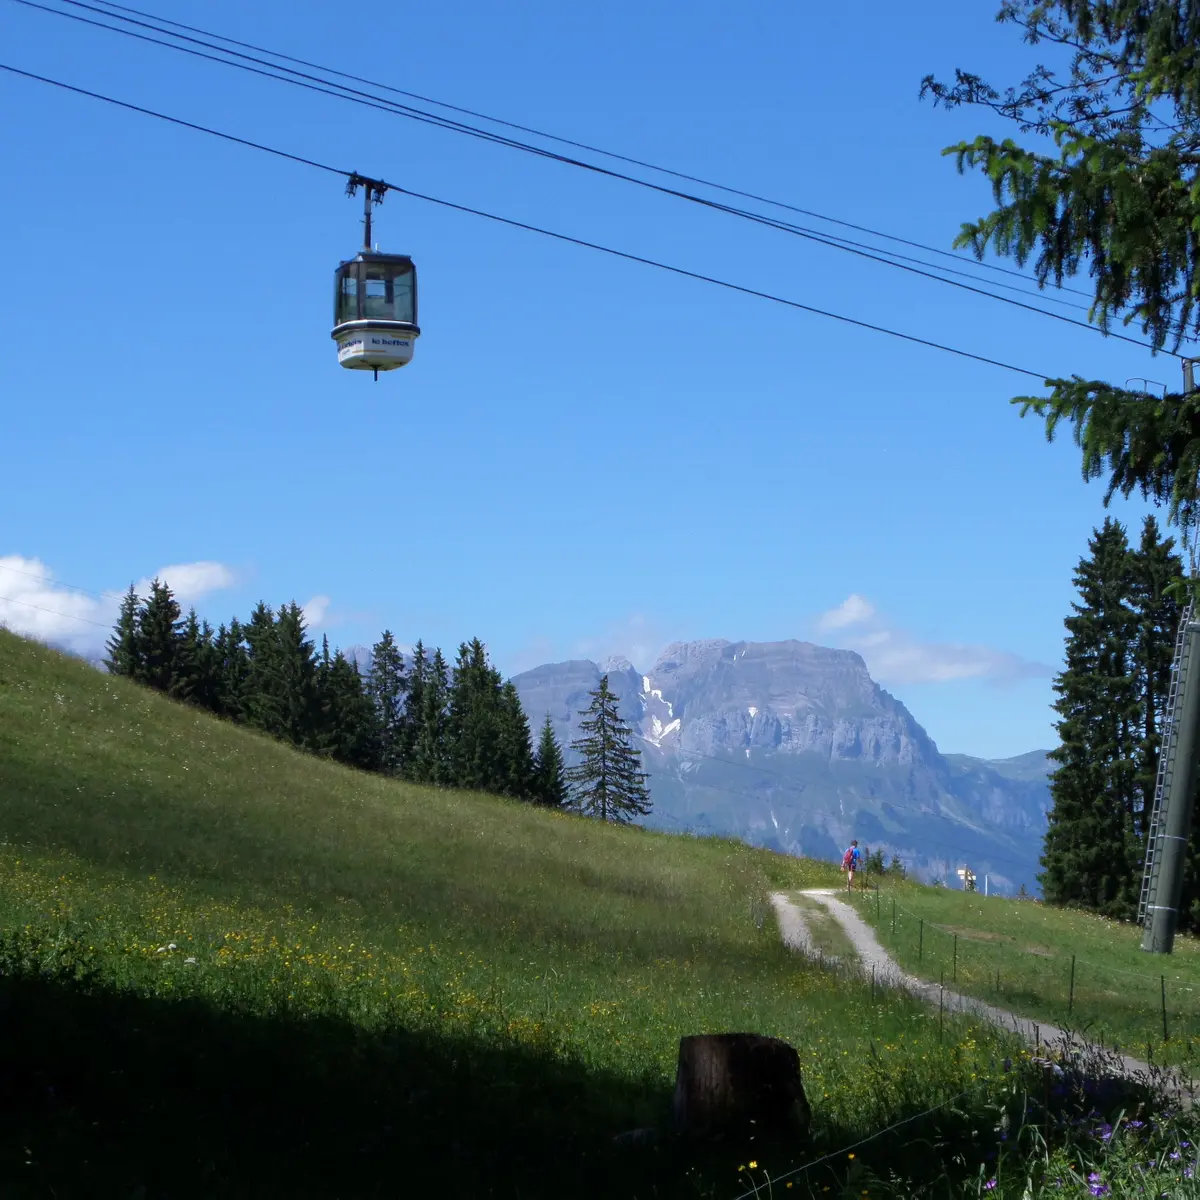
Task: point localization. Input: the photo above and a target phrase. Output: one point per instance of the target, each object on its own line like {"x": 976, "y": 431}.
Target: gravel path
{"x": 872, "y": 955}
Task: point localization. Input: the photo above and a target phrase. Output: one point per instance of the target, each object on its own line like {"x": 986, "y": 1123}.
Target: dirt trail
{"x": 887, "y": 971}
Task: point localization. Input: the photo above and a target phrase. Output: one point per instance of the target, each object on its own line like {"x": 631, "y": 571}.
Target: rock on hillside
{"x": 794, "y": 746}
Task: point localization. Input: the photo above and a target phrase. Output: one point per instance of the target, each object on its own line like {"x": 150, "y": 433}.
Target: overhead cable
{"x": 565, "y": 141}
{"x": 530, "y": 228}
{"x": 311, "y": 83}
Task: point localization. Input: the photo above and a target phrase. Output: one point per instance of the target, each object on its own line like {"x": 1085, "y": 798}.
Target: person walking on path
{"x": 850, "y": 863}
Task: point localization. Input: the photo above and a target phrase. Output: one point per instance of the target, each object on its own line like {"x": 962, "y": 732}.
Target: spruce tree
{"x": 296, "y": 678}
{"x": 473, "y": 722}
{"x": 197, "y": 673}
{"x": 232, "y": 665}
{"x": 1106, "y": 182}
{"x": 262, "y": 703}
{"x": 124, "y": 650}
{"x": 414, "y": 709}
{"x": 386, "y": 686}
{"x": 517, "y": 768}
{"x": 348, "y": 725}
{"x": 607, "y": 783}
{"x": 549, "y": 777}
{"x": 159, "y": 639}
{"x": 1090, "y": 855}
{"x": 429, "y": 762}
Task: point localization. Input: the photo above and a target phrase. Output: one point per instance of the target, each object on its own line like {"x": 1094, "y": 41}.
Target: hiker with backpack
{"x": 850, "y": 863}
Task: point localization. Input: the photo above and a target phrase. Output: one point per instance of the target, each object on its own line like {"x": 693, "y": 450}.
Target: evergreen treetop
{"x": 1091, "y": 855}
{"x": 124, "y": 651}
{"x": 608, "y": 782}
{"x": 550, "y": 775}
{"x": 386, "y": 686}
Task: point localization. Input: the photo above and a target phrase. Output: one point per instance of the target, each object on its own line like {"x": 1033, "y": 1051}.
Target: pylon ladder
{"x": 1166, "y": 767}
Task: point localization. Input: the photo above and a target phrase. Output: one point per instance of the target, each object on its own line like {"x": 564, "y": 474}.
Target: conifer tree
{"x": 517, "y": 769}
{"x": 1106, "y": 185}
{"x": 159, "y": 636}
{"x": 197, "y": 674}
{"x": 232, "y": 665}
{"x": 296, "y": 678}
{"x": 1090, "y": 854}
{"x": 429, "y": 758}
{"x": 124, "y": 652}
{"x": 607, "y": 783}
{"x": 261, "y": 689}
{"x": 386, "y": 686}
{"x": 349, "y": 729}
{"x": 473, "y": 722}
{"x": 414, "y": 709}
{"x": 550, "y": 777}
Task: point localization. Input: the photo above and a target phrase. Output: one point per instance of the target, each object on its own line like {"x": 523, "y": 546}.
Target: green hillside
{"x": 233, "y": 969}
{"x": 1018, "y": 954}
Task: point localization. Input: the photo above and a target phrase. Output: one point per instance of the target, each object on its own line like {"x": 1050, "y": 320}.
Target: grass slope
{"x": 1027, "y": 948}
{"x": 228, "y": 968}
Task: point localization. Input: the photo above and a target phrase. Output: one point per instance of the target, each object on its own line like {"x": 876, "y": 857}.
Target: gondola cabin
{"x": 375, "y": 311}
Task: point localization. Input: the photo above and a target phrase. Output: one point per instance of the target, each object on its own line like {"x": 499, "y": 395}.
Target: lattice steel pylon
{"x": 1166, "y": 764}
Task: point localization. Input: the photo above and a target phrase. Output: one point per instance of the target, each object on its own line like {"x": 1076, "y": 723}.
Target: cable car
{"x": 375, "y": 302}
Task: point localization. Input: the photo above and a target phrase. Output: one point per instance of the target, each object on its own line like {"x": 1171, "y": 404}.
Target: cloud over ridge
{"x": 894, "y": 655}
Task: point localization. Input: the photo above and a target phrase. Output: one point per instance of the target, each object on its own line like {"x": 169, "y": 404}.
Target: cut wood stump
{"x": 727, "y": 1081}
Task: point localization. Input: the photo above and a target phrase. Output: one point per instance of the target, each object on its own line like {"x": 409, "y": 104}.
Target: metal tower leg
{"x": 1166, "y": 851}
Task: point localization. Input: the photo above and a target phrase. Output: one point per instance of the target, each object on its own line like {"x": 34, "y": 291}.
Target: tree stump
{"x": 727, "y": 1081}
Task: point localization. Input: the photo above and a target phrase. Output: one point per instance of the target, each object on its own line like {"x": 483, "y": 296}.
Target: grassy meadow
{"x": 1017, "y": 954}
{"x": 230, "y": 969}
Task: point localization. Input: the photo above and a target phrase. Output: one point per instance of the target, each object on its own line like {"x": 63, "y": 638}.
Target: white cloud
{"x": 895, "y": 656}
{"x": 34, "y": 604}
{"x": 316, "y": 610}
{"x": 193, "y": 581}
{"x": 852, "y": 611}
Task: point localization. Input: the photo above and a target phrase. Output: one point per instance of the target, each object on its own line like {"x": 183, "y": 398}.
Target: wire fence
{"x": 1143, "y": 1010}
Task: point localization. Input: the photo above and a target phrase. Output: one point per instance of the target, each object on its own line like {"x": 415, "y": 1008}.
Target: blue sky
{"x": 586, "y": 456}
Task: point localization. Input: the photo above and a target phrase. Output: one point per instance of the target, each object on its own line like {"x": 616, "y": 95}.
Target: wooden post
{"x": 736, "y": 1081}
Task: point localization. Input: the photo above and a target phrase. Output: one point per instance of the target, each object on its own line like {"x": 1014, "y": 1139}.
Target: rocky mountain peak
{"x": 814, "y": 748}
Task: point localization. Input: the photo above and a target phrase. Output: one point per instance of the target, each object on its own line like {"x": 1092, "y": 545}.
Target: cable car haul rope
{"x": 377, "y": 293}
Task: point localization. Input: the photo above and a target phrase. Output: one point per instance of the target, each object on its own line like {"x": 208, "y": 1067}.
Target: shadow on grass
{"x": 107, "y": 1094}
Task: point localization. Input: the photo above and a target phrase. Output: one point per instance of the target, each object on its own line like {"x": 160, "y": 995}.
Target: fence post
{"x": 1163, "y": 982}
{"x": 954, "y": 976}
{"x": 1071, "y": 995}
{"x": 921, "y": 941}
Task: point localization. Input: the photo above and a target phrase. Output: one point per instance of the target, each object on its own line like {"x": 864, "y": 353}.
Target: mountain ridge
{"x": 793, "y": 745}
